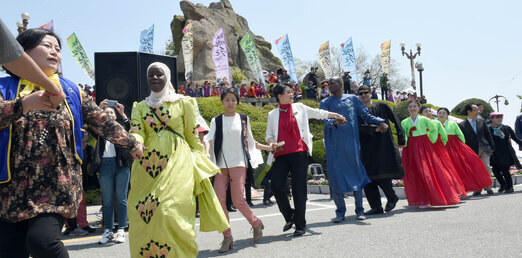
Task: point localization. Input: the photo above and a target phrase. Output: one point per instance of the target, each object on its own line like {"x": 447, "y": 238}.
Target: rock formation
{"x": 206, "y": 21}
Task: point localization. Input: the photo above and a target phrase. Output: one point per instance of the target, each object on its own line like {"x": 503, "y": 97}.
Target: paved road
{"x": 484, "y": 226}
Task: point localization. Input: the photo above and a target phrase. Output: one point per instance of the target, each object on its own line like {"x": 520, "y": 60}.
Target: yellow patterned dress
{"x": 164, "y": 184}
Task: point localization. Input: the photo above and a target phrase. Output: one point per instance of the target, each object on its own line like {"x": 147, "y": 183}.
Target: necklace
{"x": 284, "y": 110}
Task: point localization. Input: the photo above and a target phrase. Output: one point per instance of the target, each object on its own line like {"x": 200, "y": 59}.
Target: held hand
{"x": 273, "y": 147}
{"x": 37, "y": 101}
{"x": 340, "y": 120}
{"x": 138, "y": 153}
{"x": 383, "y": 127}
{"x": 56, "y": 101}
{"x": 121, "y": 110}
{"x": 103, "y": 104}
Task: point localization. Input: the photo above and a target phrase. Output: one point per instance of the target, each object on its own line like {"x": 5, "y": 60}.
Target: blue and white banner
{"x": 348, "y": 59}
{"x": 147, "y": 40}
{"x": 283, "y": 44}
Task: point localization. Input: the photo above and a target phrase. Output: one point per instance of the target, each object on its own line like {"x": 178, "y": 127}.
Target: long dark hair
{"x": 30, "y": 39}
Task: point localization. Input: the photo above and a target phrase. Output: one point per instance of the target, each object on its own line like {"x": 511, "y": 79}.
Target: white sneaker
{"x": 79, "y": 232}
{"x": 120, "y": 236}
{"x": 107, "y": 237}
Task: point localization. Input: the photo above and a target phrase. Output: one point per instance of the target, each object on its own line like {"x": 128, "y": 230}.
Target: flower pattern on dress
{"x": 46, "y": 175}
{"x": 153, "y": 162}
{"x": 135, "y": 127}
{"x": 152, "y": 120}
{"x": 154, "y": 249}
{"x": 147, "y": 207}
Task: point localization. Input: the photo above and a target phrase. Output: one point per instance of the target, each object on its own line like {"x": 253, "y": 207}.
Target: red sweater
{"x": 288, "y": 131}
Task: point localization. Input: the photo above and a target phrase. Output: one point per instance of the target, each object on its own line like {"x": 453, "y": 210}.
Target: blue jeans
{"x": 114, "y": 179}
{"x": 341, "y": 206}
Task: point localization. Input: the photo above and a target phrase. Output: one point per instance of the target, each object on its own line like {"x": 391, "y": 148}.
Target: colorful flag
{"x": 385, "y": 57}
{"x": 249, "y": 48}
{"x": 220, "y": 56}
{"x": 80, "y": 56}
{"x": 187, "y": 44}
{"x": 283, "y": 44}
{"x": 348, "y": 59}
{"x": 147, "y": 40}
{"x": 48, "y": 26}
{"x": 324, "y": 59}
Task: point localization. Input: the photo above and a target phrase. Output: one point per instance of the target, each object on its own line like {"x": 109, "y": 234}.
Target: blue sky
{"x": 469, "y": 48}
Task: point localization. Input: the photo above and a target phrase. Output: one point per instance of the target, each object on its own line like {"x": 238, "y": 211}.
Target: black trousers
{"x": 296, "y": 164}
{"x": 266, "y": 183}
{"x": 39, "y": 237}
{"x": 384, "y": 93}
{"x": 503, "y": 176}
{"x": 374, "y": 197}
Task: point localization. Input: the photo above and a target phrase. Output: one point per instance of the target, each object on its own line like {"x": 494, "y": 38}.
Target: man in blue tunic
{"x": 346, "y": 172}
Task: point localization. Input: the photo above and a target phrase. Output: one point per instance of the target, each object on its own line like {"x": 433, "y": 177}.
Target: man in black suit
{"x": 478, "y": 138}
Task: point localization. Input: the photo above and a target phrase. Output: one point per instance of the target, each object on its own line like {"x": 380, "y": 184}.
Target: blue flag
{"x": 348, "y": 59}
{"x": 283, "y": 44}
{"x": 147, "y": 40}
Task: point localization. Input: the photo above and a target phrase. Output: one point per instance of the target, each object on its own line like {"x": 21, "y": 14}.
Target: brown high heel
{"x": 258, "y": 231}
{"x": 227, "y": 244}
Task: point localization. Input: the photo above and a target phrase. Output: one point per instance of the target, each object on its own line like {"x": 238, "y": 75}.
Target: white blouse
{"x": 231, "y": 154}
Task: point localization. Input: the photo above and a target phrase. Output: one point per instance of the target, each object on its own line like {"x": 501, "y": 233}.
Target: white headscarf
{"x": 167, "y": 94}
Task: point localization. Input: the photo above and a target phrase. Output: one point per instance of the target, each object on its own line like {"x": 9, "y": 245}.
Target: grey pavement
{"x": 483, "y": 226}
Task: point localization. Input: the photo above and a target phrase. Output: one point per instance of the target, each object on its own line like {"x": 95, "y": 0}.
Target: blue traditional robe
{"x": 345, "y": 170}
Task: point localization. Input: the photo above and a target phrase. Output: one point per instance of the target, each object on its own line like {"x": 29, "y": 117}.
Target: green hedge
{"x": 459, "y": 108}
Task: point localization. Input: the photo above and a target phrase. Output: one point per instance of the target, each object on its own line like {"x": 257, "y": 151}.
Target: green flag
{"x": 80, "y": 56}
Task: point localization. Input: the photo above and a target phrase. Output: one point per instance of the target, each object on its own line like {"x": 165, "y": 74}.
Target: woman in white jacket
{"x": 287, "y": 127}
{"x": 234, "y": 150}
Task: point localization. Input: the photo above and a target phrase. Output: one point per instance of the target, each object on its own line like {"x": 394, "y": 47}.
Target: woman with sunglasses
{"x": 426, "y": 179}
{"x": 504, "y": 155}
{"x": 287, "y": 130}
{"x": 468, "y": 165}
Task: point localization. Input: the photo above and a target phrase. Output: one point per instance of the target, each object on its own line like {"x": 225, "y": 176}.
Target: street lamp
{"x": 496, "y": 97}
{"x": 411, "y": 56}
{"x": 419, "y": 67}
{"x": 22, "y": 25}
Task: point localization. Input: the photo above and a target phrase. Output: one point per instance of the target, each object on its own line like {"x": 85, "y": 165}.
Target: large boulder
{"x": 206, "y": 21}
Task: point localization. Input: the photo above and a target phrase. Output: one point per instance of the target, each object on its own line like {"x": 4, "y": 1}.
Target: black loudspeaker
{"x": 122, "y": 76}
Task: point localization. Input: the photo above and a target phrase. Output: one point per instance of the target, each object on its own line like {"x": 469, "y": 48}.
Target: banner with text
{"x": 147, "y": 40}
{"x": 385, "y": 57}
{"x": 249, "y": 48}
{"x": 348, "y": 59}
{"x": 187, "y": 44}
{"x": 283, "y": 44}
{"x": 80, "y": 56}
{"x": 220, "y": 56}
{"x": 324, "y": 59}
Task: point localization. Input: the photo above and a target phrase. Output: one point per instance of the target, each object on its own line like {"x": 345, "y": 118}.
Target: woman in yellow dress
{"x": 173, "y": 171}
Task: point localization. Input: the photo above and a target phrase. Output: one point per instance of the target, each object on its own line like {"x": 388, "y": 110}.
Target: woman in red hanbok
{"x": 426, "y": 179}
{"x": 472, "y": 172}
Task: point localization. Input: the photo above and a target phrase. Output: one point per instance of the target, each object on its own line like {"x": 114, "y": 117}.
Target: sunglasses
{"x": 363, "y": 93}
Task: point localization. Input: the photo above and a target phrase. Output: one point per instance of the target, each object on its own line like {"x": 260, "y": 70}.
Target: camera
{"x": 112, "y": 103}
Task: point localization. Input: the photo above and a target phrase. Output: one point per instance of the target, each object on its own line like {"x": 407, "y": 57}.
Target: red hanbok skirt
{"x": 426, "y": 179}
{"x": 455, "y": 180}
{"x": 470, "y": 168}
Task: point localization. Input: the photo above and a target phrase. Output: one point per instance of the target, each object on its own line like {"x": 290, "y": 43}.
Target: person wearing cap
{"x": 206, "y": 89}
{"x": 215, "y": 91}
{"x": 272, "y": 78}
{"x": 367, "y": 78}
{"x": 478, "y": 138}
{"x": 325, "y": 92}
{"x": 284, "y": 78}
{"x": 504, "y": 155}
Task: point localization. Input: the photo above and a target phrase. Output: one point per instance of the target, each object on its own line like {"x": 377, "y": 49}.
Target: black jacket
{"x": 123, "y": 156}
{"x": 480, "y": 139}
{"x": 504, "y": 154}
